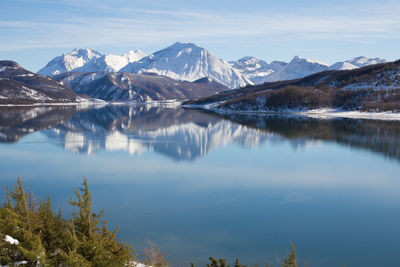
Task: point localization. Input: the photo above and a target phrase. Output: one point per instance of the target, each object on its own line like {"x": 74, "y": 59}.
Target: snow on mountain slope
{"x": 374, "y": 88}
{"x": 68, "y": 62}
{"x": 89, "y": 60}
{"x": 19, "y": 86}
{"x": 110, "y": 62}
{"x": 253, "y": 70}
{"x": 297, "y": 68}
{"x": 356, "y": 62}
{"x": 364, "y": 61}
{"x": 277, "y": 65}
{"x": 134, "y": 55}
{"x": 187, "y": 61}
{"x": 384, "y": 79}
{"x": 342, "y": 66}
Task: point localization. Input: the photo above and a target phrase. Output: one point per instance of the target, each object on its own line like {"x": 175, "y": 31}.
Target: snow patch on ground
{"x": 320, "y": 113}
{"x": 33, "y": 94}
{"x": 138, "y": 264}
{"x": 326, "y": 113}
{"x": 25, "y": 75}
{"x": 11, "y": 240}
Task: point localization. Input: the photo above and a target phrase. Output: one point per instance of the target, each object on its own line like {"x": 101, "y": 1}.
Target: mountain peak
{"x": 248, "y": 59}
{"x": 9, "y": 63}
{"x": 89, "y": 60}
{"x": 134, "y": 55}
{"x": 187, "y": 61}
{"x": 182, "y": 48}
{"x": 297, "y": 68}
{"x": 297, "y": 59}
{"x": 133, "y": 52}
{"x": 178, "y": 50}
{"x": 359, "y": 58}
{"x": 85, "y": 52}
{"x": 185, "y": 45}
{"x": 342, "y": 66}
{"x": 364, "y": 61}
{"x": 356, "y": 62}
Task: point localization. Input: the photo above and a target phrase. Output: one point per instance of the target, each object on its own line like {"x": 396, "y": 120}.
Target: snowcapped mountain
{"x": 374, "y": 88}
{"x": 356, "y": 62}
{"x": 297, "y": 68}
{"x": 342, "y": 66}
{"x": 68, "y": 62}
{"x": 110, "y": 62}
{"x": 89, "y": 60}
{"x": 254, "y": 70}
{"x": 277, "y": 65}
{"x": 134, "y": 55}
{"x": 187, "y": 61}
{"x": 364, "y": 61}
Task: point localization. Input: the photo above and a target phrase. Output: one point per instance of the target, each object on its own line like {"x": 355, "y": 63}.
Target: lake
{"x": 198, "y": 184}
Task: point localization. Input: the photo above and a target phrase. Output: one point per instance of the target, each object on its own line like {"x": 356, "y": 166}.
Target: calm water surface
{"x": 199, "y": 184}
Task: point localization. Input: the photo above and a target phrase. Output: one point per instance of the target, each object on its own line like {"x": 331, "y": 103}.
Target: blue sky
{"x": 35, "y": 31}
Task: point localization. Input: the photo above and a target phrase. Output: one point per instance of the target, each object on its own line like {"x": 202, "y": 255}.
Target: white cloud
{"x": 147, "y": 26}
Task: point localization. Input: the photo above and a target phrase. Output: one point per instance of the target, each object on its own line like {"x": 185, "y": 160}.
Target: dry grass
{"x": 154, "y": 257}
{"x": 293, "y": 97}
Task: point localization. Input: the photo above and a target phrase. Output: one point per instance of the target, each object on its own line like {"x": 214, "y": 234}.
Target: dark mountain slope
{"x": 371, "y": 87}
{"x": 137, "y": 87}
{"x": 19, "y": 86}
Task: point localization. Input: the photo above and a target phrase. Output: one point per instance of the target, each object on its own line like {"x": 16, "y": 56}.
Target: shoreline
{"x": 314, "y": 113}
{"x": 323, "y": 113}
{"x": 353, "y": 114}
{"x": 171, "y": 103}
{"x": 54, "y": 104}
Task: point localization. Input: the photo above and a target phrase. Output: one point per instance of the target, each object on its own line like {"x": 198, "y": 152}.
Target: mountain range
{"x": 182, "y": 71}
{"x": 19, "y": 86}
{"x": 189, "y": 62}
{"x": 89, "y": 60}
{"x": 369, "y": 88}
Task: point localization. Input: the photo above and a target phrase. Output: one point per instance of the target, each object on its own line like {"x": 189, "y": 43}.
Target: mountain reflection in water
{"x": 211, "y": 185}
{"x": 184, "y": 134}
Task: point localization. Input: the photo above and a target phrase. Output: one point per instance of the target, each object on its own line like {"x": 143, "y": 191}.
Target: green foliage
{"x": 289, "y": 261}
{"x": 47, "y": 239}
{"x": 217, "y": 263}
